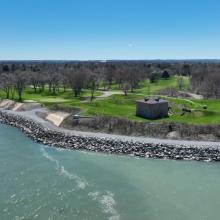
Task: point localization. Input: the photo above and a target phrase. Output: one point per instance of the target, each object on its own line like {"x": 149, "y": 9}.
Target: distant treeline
{"x": 14, "y": 77}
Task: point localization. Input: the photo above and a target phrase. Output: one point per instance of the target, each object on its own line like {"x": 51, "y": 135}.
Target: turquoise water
{"x": 38, "y": 182}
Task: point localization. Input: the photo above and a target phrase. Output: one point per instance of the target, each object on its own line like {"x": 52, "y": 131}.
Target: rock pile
{"x": 150, "y": 150}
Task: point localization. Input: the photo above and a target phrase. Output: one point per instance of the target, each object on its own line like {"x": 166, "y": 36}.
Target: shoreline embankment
{"x": 51, "y": 137}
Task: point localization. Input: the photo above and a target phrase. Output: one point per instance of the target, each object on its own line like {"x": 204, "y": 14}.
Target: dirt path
{"x": 194, "y": 95}
{"x": 105, "y": 95}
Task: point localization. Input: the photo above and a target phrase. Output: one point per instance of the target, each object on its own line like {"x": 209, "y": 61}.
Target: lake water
{"x": 38, "y": 182}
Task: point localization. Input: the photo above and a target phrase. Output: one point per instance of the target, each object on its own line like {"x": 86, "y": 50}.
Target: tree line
{"x": 15, "y": 77}
{"x": 206, "y": 80}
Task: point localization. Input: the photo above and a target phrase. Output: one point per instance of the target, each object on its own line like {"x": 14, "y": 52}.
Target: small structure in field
{"x": 152, "y": 108}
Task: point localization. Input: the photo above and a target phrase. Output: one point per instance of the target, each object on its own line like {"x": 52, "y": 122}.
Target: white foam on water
{"x": 96, "y": 154}
{"x": 107, "y": 203}
{"x": 81, "y": 183}
{"x": 46, "y": 155}
{"x": 12, "y": 196}
{"x": 105, "y": 200}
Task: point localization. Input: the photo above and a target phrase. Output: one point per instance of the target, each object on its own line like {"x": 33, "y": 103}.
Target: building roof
{"x": 152, "y": 101}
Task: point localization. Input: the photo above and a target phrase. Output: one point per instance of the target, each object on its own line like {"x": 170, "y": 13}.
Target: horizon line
{"x": 106, "y": 60}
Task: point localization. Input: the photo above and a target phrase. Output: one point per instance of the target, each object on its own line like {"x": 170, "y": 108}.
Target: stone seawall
{"x": 149, "y": 150}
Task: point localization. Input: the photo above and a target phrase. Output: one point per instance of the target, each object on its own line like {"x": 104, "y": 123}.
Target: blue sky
{"x": 109, "y": 29}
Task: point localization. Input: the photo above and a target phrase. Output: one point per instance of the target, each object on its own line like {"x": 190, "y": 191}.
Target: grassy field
{"x": 147, "y": 88}
{"x": 125, "y": 106}
{"x": 48, "y": 98}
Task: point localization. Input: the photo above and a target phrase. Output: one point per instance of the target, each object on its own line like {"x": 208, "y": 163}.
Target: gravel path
{"x": 194, "y": 95}
{"x": 105, "y": 94}
{"x": 33, "y": 114}
{"x": 109, "y": 93}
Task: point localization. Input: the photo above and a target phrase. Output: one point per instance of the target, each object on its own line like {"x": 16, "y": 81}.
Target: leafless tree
{"x": 77, "y": 79}
{"x": 93, "y": 84}
{"x": 180, "y": 82}
{"x": 6, "y": 83}
{"x": 20, "y": 83}
{"x": 34, "y": 80}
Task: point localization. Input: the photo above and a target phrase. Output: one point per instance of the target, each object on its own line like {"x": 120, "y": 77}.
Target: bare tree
{"x": 77, "y": 79}
{"x": 20, "y": 83}
{"x": 109, "y": 74}
{"x": 6, "y": 83}
{"x": 180, "y": 82}
{"x": 93, "y": 84}
{"x": 34, "y": 80}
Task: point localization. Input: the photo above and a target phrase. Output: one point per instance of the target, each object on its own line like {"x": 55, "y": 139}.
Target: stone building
{"x": 152, "y": 108}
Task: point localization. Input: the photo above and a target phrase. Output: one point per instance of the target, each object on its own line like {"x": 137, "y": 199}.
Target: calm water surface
{"x": 43, "y": 183}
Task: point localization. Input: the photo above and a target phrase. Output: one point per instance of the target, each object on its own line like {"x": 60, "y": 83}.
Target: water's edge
{"x": 149, "y": 150}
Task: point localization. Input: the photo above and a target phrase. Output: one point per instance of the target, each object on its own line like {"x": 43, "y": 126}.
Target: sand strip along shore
{"x": 60, "y": 138}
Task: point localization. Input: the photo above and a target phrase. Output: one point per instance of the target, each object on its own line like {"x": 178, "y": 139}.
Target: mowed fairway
{"x": 125, "y": 106}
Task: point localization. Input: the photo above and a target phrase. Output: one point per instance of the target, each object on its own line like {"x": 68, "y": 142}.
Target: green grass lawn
{"x": 125, "y": 106}
{"x": 48, "y": 98}
{"x": 147, "y": 88}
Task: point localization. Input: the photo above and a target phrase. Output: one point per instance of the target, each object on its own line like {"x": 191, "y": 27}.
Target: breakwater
{"x": 50, "y": 137}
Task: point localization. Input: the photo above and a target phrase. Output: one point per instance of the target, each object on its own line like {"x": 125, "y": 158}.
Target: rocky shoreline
{"x": 149, "y": 150}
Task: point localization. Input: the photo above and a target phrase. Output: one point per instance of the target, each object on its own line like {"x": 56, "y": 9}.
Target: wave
{"x": 81, "y": 183}
{"x": 106, "y": 200}
{"x": 107, "y": 203}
